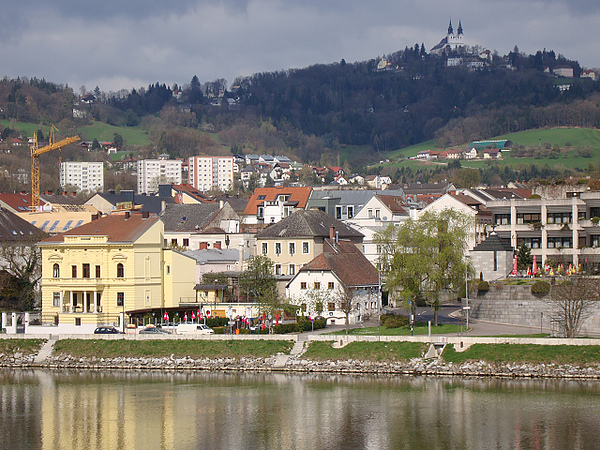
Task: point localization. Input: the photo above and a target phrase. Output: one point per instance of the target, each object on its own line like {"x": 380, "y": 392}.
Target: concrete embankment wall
{"x": 516, "y": 305}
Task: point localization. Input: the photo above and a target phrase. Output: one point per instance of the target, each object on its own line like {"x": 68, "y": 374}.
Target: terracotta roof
{"x": 269, "y": 194}
{"x": 396, "y": 204}
{"x": 191, "y": 191}
{"x": 125, "y": 228}
{"x": 346, "y": 262}
{"x": 311, "y": 223}
{"x": 18, "y": 202}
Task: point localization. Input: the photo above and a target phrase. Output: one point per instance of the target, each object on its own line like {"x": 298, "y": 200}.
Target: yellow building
{"x": 110, "y": 268}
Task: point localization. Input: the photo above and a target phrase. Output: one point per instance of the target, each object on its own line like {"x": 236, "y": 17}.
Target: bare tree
{"x": 346, "y": 302}
{"x": 574, "y": 301}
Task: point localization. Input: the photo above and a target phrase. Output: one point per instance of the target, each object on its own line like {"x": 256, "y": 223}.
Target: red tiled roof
{"x": 346, "y": 262}
{"x": 269, "y": 194}
{"x": 395, "y": 203}
{"x": 16, "y": 201}
{"x": 117, "y": 227}
{"x": 191, "y": 191}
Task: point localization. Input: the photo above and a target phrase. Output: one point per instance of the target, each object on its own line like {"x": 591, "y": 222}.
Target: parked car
{"x": 199, "y": 328}
{"x": 153, "y": 330}
{"x": 107, "y": 330}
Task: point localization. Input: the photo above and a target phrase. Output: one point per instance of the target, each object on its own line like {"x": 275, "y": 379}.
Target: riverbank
{"x": 367, "y": 358}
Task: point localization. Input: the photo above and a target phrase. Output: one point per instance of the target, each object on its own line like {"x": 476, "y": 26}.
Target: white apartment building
{"x": 87, "y": 176}
{"x": 152, "y": 172}
{"x": 211, "y": 172}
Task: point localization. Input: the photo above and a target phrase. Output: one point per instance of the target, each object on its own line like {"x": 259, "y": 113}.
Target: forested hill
{"x": 415, "y": 97}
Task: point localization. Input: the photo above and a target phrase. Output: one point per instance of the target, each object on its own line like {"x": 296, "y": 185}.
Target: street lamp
{"x": 466, "y": 307}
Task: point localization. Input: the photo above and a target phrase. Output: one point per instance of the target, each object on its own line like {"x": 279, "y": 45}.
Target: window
{"x": 120, "y": 270}
{"x": 305, "y": 247}
{"x": 303, "y": 285}
{"x": 186, "y": 242}
{"x": 85, "y": 270}
{"x": 528, "y": 218}
{"x": 278, "y": 248}
{"x": 168, "y": 270}
{"x": 277, "y": 269}
{"x": 120, "y": 298}
{"x": 292, "y": 248}
{"x": 173, "y": 242}
{"x": 350, "y": 211}
{"x": 331, "y": 306}
{"x": 292, "y": 269}
{"x": 56, "y": 270}
{"x": 330, "y": 285}
{"x": 370, "y": 213}
{"x": 97, "y": 271}
{"x": 377, "y": 213}
{"x": 56, "y": 299}
{"x": 73, "y": 271}
{"x": 317, "y": 285}
{"x": 502, "y": 219}
{"x": 338, "y": 212}
{"x": 264, "y": 248}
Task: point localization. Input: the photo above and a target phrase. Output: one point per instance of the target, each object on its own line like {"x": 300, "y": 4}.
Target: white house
{"x": 341, "y": 271}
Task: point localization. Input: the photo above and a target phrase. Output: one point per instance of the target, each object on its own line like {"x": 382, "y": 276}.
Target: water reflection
{"x": 124, "y": 410}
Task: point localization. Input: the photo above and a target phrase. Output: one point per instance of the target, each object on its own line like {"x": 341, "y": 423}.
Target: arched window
{"x": 120, "y": 270}
{"x": 56, "y": 270}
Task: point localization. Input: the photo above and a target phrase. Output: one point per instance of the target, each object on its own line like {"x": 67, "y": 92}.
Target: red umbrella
{"x": 514, "y": 271}
{"x": 534, "y": 266}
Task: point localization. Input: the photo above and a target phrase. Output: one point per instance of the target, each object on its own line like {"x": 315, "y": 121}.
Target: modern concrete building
{"x": 86, "y": 176}
{"x": 153, "y": 172}
{"x": 211, "y": 172}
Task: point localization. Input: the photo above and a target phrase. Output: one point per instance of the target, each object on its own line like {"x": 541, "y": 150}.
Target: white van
{"x": 199, "y": 328}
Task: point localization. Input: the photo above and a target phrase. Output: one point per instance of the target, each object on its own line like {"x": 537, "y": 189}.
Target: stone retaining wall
{"x": 516, "y": 305}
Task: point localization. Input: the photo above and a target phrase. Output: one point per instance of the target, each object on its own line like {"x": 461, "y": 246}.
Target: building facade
{"x": 86, "y": 176}
{"x": 211, "y": 172}
{"x": 153, "y": 172}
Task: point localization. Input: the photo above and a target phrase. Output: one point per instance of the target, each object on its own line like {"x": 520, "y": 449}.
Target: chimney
{"x": 145, "y": 214}
{"x": 203, "y": 246}
{"x": 331, "y": 233}
{"x": 220, "y": 204}
{"x": 95, "y": 217}
{"x": 217, "y": 245}
{"x": 337, "y": 236}
{"x": 127, "y": 214}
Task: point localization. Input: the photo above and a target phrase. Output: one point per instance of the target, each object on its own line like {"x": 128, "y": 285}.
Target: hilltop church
{"x": 451, "y": 42}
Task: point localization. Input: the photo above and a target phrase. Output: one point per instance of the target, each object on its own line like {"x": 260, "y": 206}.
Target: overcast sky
{"x": 124, "y": 44}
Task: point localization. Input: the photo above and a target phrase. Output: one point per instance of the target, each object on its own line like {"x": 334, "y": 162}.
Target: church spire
{"x": 450, "y": 29}
{"x": 460, "y": 30}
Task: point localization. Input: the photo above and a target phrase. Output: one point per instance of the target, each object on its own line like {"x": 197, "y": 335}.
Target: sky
{"x": 125, "y": 44}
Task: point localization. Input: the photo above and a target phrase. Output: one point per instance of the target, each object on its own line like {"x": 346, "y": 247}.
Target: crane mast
{"x": 35, "y": 163}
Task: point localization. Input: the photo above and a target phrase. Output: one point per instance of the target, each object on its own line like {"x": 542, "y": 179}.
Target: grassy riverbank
{"x": 24, "y": 346}
{"x": 419, "y": 329}
{"x": 366, "y": 351}
{"x": 165, "y": 348}
{"x": 526, "y": 353}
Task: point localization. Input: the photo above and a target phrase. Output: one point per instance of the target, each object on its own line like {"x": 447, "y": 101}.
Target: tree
{"x": 345, "y": 302}
{"x": 21, "y": 272}
{"x": 259, "y": 283}
{"x": 118, "y": 141}
{"x": 524, "y": 258}
{"x": 424, "y": 257}
{"x": 574, "y": 301}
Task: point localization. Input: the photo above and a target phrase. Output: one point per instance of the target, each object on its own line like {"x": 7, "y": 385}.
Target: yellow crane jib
{"x": 35, "y": 165}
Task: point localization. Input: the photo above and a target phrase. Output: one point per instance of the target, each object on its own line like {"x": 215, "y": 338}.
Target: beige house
{"x": 298, "y": 239}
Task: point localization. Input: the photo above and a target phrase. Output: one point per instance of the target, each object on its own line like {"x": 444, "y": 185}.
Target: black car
{"x": 107, "y": 330}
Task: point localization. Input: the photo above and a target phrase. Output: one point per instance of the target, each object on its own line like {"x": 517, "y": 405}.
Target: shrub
{"x": 394, "y": 321}
{"x": 217, "y": 322}
{"x": 540, "y": 288}
{"x": 286, "y": 328}
{"x": 483, "y": 286}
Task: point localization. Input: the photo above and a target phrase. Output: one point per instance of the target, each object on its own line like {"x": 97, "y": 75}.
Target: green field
{"x": 569, "y": 139}
{"x": 98, "y": 130}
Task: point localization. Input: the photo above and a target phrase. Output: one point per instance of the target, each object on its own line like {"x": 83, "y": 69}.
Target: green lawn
{"x": 526, "y": 353}
{"x": 156, "y": 348}
{"x": 419, "y": 329}
{"x": 366, "y": 351}
{"x": 25, "y": 346}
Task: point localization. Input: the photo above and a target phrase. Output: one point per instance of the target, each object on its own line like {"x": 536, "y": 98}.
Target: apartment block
{"x": 211, "y": 172}
{"x": 153, "y": 172}
{"x": 86, "y": 176}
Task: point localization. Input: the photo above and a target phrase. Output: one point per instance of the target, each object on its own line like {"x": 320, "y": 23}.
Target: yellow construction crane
{"x": 35, "y": 163}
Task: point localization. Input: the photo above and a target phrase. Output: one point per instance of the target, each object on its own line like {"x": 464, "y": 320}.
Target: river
{"x": 152, "y": 410}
